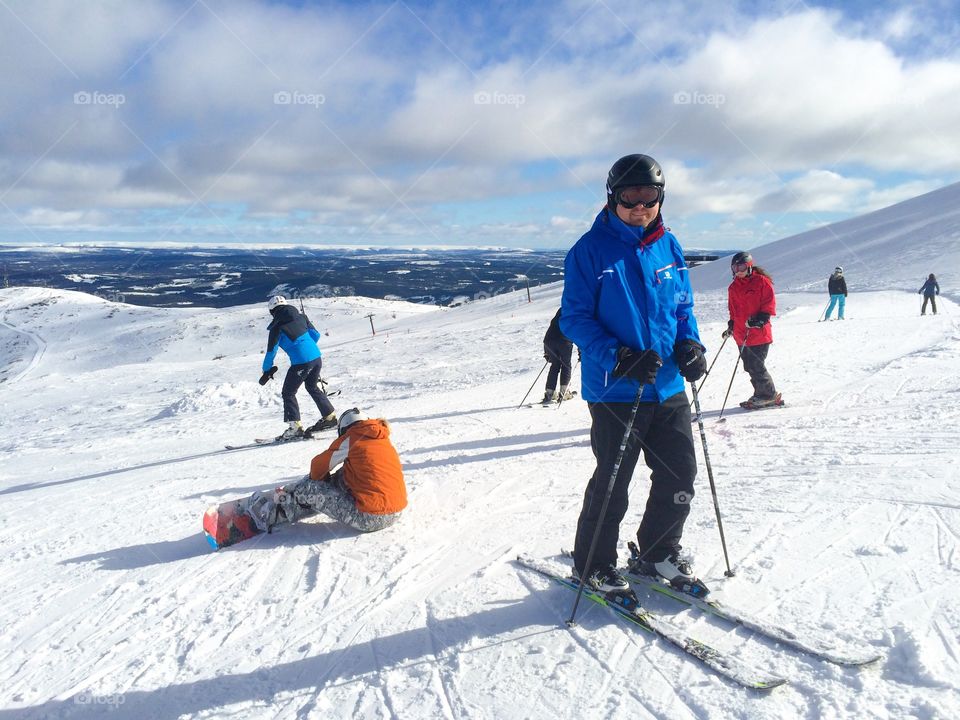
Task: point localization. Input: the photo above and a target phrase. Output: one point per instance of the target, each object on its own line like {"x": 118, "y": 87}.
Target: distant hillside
{"x": 894, "y": 248}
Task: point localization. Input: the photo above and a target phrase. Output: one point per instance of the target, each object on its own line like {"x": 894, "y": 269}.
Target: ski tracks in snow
{"x": 40, "y": 347}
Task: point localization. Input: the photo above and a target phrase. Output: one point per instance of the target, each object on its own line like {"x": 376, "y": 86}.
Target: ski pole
{"x": 606, "y": 503}
{"x": 715, "y": 357}
{"x": 534, "y": 383}
{"x": 735, "y": 367}
{"x": 713, "y": 487}
{"x": 823, "y": 312}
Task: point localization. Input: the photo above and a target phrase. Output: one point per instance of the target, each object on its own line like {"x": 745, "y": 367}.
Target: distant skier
{"x": 628, "y": 306}
{"x": 291, "y": 331}
{"x": 358, "y": 480}
{"x": 837, "y": 287}
{"x": 751, "y": 302}
{"x": 930, "y": 289}
{"x": 558, "y": 351}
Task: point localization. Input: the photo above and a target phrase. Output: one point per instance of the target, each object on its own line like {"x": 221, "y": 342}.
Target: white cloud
{"x": 770, "y": 98}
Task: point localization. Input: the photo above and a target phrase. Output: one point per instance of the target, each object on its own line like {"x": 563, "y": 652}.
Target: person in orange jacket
{"x": 751, "y": 302}
{"x": 358, "y": 480}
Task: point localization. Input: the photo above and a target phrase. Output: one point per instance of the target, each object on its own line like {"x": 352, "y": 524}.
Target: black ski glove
{"x": 639, "y": 365}
{"x": 268, "y": 375}
{"x": 728, "y": 332}
{"x": 758, "y": 320}
{"x": 690, "y": 358}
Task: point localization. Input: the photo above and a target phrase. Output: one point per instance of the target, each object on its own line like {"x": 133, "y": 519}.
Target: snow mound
{"x": 223, "y": 396}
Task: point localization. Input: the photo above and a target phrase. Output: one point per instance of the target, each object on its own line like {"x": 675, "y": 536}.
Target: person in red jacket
{"x": 358, "y": 480}
{"x": 751, "y": 302}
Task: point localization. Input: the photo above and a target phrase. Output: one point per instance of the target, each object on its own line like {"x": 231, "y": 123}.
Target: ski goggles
{"x": 740, "y": 267}
{"x": 646, "y": 195}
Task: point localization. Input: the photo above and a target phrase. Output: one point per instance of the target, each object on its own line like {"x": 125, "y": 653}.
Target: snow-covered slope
{"x": 893, "y": 248}
{"x": 841, "y": 511}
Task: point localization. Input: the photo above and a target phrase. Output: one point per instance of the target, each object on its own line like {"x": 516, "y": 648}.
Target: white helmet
{"x": 348, "y": 418}
{"x": 838, "y": 270}
{"x": 276, "y": 301}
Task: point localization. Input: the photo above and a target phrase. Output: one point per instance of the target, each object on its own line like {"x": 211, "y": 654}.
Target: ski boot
{"x": 604, "y": 580}
{"x": 672, "y": 569}
{"x": 759, "y": 403}
{"x": 262, "y": 510}
{"x": 549, "y": 397}
{"x": 294, "y": 431}
{"x": 325, "y": 423}
{"x": 564, "y": 394}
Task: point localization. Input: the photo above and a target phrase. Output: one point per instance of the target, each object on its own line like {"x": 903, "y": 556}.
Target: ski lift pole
{"x": 713, "y": 487}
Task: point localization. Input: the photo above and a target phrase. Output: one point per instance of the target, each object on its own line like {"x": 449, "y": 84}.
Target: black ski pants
{"x": 559, "y": 357}
{"x": 933, "y": 302}
{"x": 754, "y": 362}
{"x": 662, "y": 432}
{"x": 307, "y": 374}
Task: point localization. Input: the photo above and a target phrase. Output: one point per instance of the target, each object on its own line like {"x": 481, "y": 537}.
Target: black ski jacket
{"x": 555, "y": 343}
{"x": 837, "y": 285}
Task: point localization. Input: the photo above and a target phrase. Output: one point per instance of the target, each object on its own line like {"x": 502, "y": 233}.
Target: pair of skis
{"x": 728, "y": 665}
{"x": 263, "y": 442}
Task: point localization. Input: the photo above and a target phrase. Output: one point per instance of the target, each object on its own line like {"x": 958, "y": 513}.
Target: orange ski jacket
{"x": 371, "y": 467}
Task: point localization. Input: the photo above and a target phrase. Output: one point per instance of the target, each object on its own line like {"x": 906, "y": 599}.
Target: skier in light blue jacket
{"x": 293, "y": 333}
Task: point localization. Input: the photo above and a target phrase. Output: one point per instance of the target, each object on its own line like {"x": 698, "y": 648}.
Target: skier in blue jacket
{"x": 293, "y": 333}
{"x": 628, "y": 305}
{"x": 930, "y": 289}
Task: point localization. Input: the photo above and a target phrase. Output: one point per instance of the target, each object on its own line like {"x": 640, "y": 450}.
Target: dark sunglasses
{"x": 646, "y": 195}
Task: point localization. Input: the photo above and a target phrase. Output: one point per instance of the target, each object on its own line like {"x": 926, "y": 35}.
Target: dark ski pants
{"x": 307, "y": 374}
{"x": 662, "y": 432}
{"x": 933, "y": 303}
{"x": 559, "y": 359}
{"x": 754, "y": 358}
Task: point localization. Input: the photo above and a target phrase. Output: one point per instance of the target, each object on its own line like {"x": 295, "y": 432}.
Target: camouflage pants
{"x": 332, "y": 499}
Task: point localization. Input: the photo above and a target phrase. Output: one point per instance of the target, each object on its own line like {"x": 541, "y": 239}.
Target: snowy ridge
{"x": 841, "y": 511}
{"x": 894, "y": 248}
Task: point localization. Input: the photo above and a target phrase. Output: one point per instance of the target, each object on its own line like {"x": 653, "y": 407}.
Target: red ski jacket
{"x": 746, "y": 297}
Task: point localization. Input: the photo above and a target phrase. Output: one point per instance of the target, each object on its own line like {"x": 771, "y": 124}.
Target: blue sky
{"x": 412, "y": 123}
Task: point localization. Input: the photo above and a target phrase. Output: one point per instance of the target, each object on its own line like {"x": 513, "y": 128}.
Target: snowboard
{"x": 229, "y": 523}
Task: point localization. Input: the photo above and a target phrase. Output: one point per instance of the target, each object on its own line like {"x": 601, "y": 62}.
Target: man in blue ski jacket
{"x": 628, "y": 305}
{"x": 293, "y": 333}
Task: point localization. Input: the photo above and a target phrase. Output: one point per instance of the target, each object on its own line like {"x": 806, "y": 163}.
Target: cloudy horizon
{"x": 417, "y": 124}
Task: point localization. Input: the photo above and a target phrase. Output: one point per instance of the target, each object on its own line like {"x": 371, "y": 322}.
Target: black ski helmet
{"x": 633, "y": 170}
{"x": 742, "y": 257}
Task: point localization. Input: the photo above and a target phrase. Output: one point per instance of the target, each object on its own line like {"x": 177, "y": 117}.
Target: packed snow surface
{"x": 841, "y": 513}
